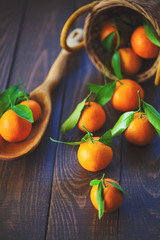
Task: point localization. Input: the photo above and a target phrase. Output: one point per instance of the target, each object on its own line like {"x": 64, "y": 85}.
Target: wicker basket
{"x": 99, "y": 11}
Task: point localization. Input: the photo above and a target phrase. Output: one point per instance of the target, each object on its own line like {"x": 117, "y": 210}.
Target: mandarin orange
{"x": 34, "y": 107}
{"x": 14, "y": 128}
{"x": 125, "y": 96}
{"x": 141, "y": 44}
{"x": 140, "y": 131}
{"x": 93, "y": 117}
{"x": 130, "y": 62}
{"x": 94, "y": 156}
{"x": 113, "y": 197}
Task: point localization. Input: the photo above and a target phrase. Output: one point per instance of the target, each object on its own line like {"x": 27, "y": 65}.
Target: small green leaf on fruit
{"x": 119, "y": 188}
{"x": 116, "y": 62}
{"x": 107, "y": 139}
{"x": 151, "y": 33}
{"x": 71, "y": 122}
{"x": 68, "y": 143}
{"x": 100, "y": 200}
{"x": 95, "y": 182}
{"x": 153, "y": 116}
{"x": 122, "y": 123}
{"x": 107, "y": 41}
{"x": 104, "y": 95}
{"x": 23, "y": 112}
{"x": 94, "y": 87}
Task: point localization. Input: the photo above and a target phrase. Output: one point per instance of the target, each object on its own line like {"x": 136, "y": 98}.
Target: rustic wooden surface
{"x": 46, "y": 194}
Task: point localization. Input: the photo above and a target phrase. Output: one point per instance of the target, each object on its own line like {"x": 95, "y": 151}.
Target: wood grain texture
{"x": 11, "y": 16}
{"x": 139, "y": 217}
{"x": 25, "y": 184}
{"x": 71, "y": 214}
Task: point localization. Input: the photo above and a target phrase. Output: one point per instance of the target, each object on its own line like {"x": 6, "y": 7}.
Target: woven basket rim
{"x": 105, "y": 5}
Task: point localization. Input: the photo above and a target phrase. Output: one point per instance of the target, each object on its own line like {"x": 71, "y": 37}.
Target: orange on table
{"x": 34, "y": 107}
{"x": 94, "y": 156}
{"x": 130, "y": 62}
{"x": 140, "y": 131}
{"x": 113, "y": 197}
{"x": 93, "y": 117}
{"x": 125, "y": 96}
{"x": 14, "y": 128}
{"x": 141, "y": 44}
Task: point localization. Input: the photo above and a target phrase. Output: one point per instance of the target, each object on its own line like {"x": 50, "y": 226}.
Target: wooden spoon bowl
{"x": 42, "y": 94}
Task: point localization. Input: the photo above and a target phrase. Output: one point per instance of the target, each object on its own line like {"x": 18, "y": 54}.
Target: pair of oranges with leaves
{"x": 128, "y": 47}
{"x": 95, "y": 153}
{"x": 17, "y": 113}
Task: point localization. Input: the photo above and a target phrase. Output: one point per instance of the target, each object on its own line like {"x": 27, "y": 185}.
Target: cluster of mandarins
{"x": 93, "y": 154}
{"x": 14, "y": 128}
{"x": 133, "y": 49}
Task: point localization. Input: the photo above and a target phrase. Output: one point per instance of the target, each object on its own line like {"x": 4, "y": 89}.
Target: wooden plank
{"x": 25, "y": 184}
{"x": 71, "y": 214}
{"x": 11, "y": 15}
{"x": 139, "y": 218}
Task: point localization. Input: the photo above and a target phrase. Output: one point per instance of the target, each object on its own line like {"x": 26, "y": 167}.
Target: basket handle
{"x": 157, "y": 78}
{"x": 69, "y": 23}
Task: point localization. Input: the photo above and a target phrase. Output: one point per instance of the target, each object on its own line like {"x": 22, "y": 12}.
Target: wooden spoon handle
{"x": 58, "y": 67}
{"x": 56, "y": 72}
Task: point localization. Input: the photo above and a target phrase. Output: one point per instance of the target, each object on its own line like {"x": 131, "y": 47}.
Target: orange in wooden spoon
{"x": 42, "y": 94}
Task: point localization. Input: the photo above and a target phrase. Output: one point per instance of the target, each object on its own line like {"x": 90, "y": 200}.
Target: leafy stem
{"x": 90, "y": 135}
{"x": 25, "y": 93}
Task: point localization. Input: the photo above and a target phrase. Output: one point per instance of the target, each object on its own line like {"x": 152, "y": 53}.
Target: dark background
{"x": 46, "y": 194}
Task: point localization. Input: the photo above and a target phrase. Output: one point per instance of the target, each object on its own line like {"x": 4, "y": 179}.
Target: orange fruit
{"x": 141, "y": 44}
{"x": 94, "y": 156}
{"x": 107, "y": 29}
{"x": 93, "y": 117}
{"x": 125, "y": 96}
{"x": 130, "y": 62}
{"x": 14, "y": 128}
{"x": 140, "y": 131}
{"x": 113, "y": 197}
{"x": 34, "y": 107}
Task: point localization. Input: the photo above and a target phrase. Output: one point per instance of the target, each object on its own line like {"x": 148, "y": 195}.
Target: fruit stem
{"x": 140, "y": 107}
{"x": 10, "y": 102}
{"x": 89, "y": 133}
{"x": 120, "y": 82}
{"x": 21, "y": 83}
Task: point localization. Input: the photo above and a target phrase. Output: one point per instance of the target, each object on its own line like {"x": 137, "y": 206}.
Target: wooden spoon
{"x": 42, "y": 94}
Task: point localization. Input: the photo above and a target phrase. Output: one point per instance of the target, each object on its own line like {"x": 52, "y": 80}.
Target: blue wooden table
{"x": 46, "y": 194}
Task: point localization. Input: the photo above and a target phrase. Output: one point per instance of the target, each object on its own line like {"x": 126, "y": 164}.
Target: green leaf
{"x": 151, "y": 33}
{"x": 107, "y": 139}
{"x": 100, "y": 200}
{"x": 104, "y": 95}
{"x": 116, "y": 62}
{"x": 23, "y": 112}
{"x": 8, "y": 97}
{"x": 21, "y": 97}
{"x": 94, "y": 87}
{"x": 24, "y": 90}
{"x": 122, "y": 123}
{"x": 71, "y": 122}
{"x": 119, "y": 188}
{"x": 108, "y": 40}
{"x": 153, "y": 116}
{"x": 68, "y": 143}
{"x": 94, "y": 182}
